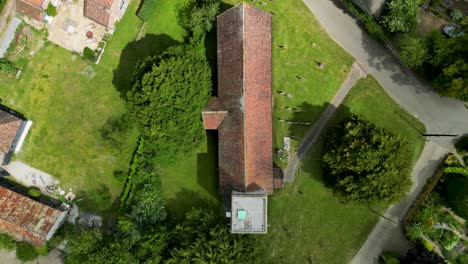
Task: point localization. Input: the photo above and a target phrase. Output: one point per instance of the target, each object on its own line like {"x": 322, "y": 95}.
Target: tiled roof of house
{"x": 9, "y": 126}
{"x": 98, "y": 11}
{"x": 213, "y": 114}
{"x": 31, "y": 8}
{"x": 26, "y": 219}
{"x": 244, "y": 88}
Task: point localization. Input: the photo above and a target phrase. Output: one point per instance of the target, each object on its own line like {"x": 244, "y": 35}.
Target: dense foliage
{"x": 457, "y": 195}
{"x": 462, "y": 145}
{"x": 197, "y": 16}
{"x": 365, "y": 163}
{"x": 25, "y": 252}
{"x": 166, "y": 100}
{"x": 146, "y": 9}
{"x": 143, "y": 234}
{"x": 413, "y": 50}
{"x": 204, "y": 238}
{"x": 449, "y": 64}
{"x": 402, "y": 15}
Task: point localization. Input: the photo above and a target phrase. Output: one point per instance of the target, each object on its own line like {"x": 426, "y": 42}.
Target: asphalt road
{"x": 440, "y": 115}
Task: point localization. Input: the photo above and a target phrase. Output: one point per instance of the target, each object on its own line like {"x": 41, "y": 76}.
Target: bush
{"x": 51, "y": 10}
{"x": 390, "y": 257}
{"x": 89, "y": 54}
{"x": 146, "y": 9}
{"x": 34, "y": 192}
{"x": 7, "y": 66}
{"x": 427, "y": 244}
{"x": 6, "y": 242}
{"x": 402, "y": 15}
{"x": 25, "y": 252}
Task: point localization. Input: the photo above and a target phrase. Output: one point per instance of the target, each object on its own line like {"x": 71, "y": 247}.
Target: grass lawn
{"x": 70, "y": 108}
{"x": 307, "y": 222}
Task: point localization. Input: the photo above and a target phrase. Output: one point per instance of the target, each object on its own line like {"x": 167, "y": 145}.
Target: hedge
{"x": 25, "y": 252}
{"x": 146, "y": 9}
{"x": 133, "y": 170}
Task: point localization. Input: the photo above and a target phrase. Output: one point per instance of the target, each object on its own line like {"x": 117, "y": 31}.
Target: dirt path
{"x": 311, "y": 136}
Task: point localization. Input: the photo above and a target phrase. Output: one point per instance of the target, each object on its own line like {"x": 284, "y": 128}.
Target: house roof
{"x": 244, "y": 89}
{"x": 9, "y": 126}
{"x": 26, "y": 219}
{"x": 98, "y": 11}
{"x": 213, "y": 114}
{"x": 31, "y": 8}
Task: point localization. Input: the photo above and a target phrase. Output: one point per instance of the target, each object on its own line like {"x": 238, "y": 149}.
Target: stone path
{"x": 311, "y": 136}
{"x": 9, "y": 35}
{"x": 30, "y": 176}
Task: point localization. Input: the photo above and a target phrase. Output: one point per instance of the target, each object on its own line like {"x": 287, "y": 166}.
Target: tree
{"x": 366, "y": 163}
{"x": 197, "y": 16}
{"x": 205, "y": 238}
{"x": 448, "y": 66}
{"x": 420, "y": 255}
{"x": 402, "y": 15}
{"x": 413, "y": 50}
{"x": 168, "y": 95}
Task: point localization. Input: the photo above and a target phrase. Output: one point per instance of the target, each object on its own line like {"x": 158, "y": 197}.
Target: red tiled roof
{"x": 31, "y": 8}
{"x": 244, "y": 88}
{"x": 98, "y": 11}
{"x": 9, "y": 125}
{"x": 26, "y": 219}
{"x": 213, "y": 114}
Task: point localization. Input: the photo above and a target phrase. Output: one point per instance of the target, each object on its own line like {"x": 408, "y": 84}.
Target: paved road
{"x": 440, "y": 115}
{"x": 355, "y": 74}
{"x": 9, "y": 257}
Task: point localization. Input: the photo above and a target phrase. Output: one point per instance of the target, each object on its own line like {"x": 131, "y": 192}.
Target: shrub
{"x": 7, "y": 66}
{"x": 456, "y": 15}
{"x": 25, "y": 252}
{"x": 427, "y": 244}
{"x": 34, "y": 192}
{"x": 402, "y": 15}
{"x": 89, "y": 54}
{"x": 51, "y": 10}
{"x": 146, "y": 9}
{"x": 390, "y": 257}
{"x": 6, "y": 242}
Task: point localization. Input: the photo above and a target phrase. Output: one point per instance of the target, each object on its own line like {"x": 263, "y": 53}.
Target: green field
{"x": 307, "y": 222}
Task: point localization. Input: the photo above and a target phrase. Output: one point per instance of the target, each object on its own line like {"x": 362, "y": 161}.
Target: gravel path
{"x": 9, "y": 35}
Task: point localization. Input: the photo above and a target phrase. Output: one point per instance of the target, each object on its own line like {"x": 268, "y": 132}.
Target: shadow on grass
{"x": 207, "y": 165}
{"x": 97, "y": 201}
{"x": 314, "y": 142}
{"x": 185, "y": 200}
{"x": 135, "y": 51}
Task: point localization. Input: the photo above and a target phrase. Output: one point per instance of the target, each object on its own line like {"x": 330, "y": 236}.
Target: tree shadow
{"x": 96, "y": 201}
{"x": 187, "y": 199}
{"x": 207, "y": 165}
{"x": 135, "y": 51}
{"x": 315, "y": 139}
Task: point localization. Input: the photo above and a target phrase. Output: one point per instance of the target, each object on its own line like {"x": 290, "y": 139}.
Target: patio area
{"x": 72, "y": 31}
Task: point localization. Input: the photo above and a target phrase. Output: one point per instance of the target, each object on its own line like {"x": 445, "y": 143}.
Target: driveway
{"x": 439, "y": 114}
